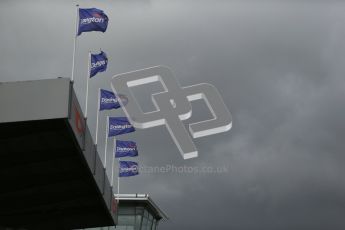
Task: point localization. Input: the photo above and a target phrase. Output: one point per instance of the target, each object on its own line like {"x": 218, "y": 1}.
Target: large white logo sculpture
{"x": 172, "y": 106}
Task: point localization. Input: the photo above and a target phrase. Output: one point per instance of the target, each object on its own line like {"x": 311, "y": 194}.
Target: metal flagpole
{"x": 75, "y": 41}
{"x": 112, "y": 165}
{"x": 106, "y": 143}
{"x": 87, "y": 82}
{"x": 118, "y": 181}
{"x": 98, "y": 102}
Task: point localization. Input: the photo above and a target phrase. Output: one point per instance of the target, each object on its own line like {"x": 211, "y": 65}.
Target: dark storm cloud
{"x": 278, "y": 65}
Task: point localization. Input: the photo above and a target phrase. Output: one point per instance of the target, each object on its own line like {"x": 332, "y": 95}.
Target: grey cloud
{"x": 279, "y": 67}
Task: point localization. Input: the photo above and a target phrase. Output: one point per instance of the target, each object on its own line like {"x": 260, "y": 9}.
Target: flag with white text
{"x": 92, "y": 19}
{"x": 126, "y": 149}
{"x": 128, "y": 168}
{"x": 119, "y": 126}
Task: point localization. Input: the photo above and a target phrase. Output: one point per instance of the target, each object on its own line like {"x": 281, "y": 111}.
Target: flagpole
{"x": 118, "y": 180}
{"x": 98, "y": 102}
{"x": 75, "y": 41}
{"x": 87, "y": 82}
{"x": 106, "y": 142}
{"x": 112, "y": 164}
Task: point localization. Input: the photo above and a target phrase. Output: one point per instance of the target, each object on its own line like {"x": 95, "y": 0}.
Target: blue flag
{"x": 125, "y": 149}
{"x": 119, "y": 125}
{"x": 92, "y": 19}
{"x": 128, "y": 168}
{"x": 99, "y": 63}
{"x": 108, "y": 100}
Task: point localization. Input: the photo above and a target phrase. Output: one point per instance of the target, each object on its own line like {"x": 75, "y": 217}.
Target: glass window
{"x": 154, "y": 222}
{"x": 145, "y": 220}
{"x": 127, "y": 211}
{"x": 149, "y": 224}
{"x": 138, "y": 217}
{"x": 126, "y": 220}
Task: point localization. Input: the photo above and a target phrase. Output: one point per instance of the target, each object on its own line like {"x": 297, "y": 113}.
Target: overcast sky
{"x": 279, "y": 65}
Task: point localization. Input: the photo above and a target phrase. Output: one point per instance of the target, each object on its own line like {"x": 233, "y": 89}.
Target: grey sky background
{"x": 279, "y": 66}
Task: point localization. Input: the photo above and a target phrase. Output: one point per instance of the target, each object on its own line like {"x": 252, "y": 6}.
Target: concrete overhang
{"x": 51, "y": 176}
